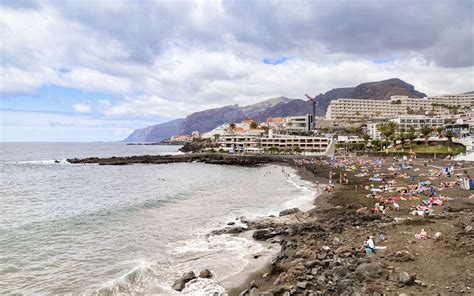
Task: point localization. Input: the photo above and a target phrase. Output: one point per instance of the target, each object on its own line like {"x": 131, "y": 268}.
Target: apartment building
{"x": 406, "y": 122}
{"x": 299, "y": 123}
{"x": 288, "y": 142}
{"x": 359, "y": 110}
{"x": 240, "y": 143}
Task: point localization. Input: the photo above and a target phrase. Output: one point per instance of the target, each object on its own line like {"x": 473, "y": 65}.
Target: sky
{"x": 83, "y": 70}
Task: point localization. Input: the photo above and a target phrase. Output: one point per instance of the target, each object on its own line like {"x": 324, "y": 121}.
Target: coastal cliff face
{"x": 204, "y": 121}
{"x": 156, "y": 133}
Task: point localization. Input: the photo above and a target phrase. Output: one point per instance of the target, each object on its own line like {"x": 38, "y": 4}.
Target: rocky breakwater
{"x": 210, "y": 158}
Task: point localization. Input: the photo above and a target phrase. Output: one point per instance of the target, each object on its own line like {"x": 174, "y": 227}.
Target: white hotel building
{"x": 288, "y": 142}
{"x": 358, "y": 109}
{"x": 406, "y": 122}
{"x": 253, "y": 142}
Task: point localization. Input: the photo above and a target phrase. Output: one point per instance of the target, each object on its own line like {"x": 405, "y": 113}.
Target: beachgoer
{"x": 396, "y": 206}
{"x": 369, "y": 245}
{"x": 426, "y": 213}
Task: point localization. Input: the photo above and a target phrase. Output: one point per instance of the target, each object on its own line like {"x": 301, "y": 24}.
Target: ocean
{"x": 128, "y": 229}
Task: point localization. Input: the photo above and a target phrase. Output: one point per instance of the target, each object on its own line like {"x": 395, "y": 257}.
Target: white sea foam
{"x": 47, "y": 161}
{"x": 203, "y": 287}
{"x": 304, "y": 201}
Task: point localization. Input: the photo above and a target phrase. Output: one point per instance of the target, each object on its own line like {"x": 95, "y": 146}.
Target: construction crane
{"x": 313, "y": 100}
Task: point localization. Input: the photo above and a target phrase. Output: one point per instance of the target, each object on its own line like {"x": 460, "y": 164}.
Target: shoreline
{"x": 320, "y": 249}
{"x": 330, "y": 263}
{"x": 238, "y": 282}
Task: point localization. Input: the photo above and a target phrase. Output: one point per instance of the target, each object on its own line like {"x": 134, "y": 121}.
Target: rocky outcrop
{"x": 289, "y": 212}
{"x": 180, "y": 283}
{"x": 205, "y": 274}
{"x": 210, "y": 158}
{"x": 156, "y": 133}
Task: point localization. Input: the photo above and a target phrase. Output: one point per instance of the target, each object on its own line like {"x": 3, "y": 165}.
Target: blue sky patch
{"x": 381, "y": 60}
{"x": 276, "y": 61}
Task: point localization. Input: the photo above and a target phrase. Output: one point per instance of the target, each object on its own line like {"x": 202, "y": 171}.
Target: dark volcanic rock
{"x": 230, "y": 230}
{"x": 289, "y": 212}
{"x": 211, "y": 158}
{"x": 205, "y": 274}
{"x": 340, "y": 272}
{"x": 263, "y": 234}
{"x": 369, "y": 271}
{"x": 180, "y": 283}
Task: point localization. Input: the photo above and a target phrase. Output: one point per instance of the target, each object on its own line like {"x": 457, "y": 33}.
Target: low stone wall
{"x": 399, "y": 154}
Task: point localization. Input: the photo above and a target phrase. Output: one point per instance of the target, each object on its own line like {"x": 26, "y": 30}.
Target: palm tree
{"x": 232, "y": 126}
{"x": 411, "y": 136}
{"x": 366, "y": 137}
{"x": 402, "y": 137}
{"x": 384, "y": 129}
{"x": 253, "y": 124}
{"x": 426, "y": 132}
{"x": 387, "y": 129}
{"x": 440, "y": 131}
{"x": 376, "y": 145}
{"x": 450, "y": 135}
{"x": 393, "y": 126}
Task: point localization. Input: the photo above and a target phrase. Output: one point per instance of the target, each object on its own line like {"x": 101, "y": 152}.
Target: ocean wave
{"x": 47, "y": 162}
{"x": 305, "y": 201}
{"x": 203, "y": 287}
{"x": 225, "y": 255}
{"x": 129, "y": 282}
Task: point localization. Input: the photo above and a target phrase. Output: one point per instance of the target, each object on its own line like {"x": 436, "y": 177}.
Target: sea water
{"x": 127, "y": 229}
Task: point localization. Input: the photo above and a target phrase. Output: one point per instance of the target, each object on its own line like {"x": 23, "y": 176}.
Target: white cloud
{"x": 81, "y": 108}
{"x": 189, "y": 56}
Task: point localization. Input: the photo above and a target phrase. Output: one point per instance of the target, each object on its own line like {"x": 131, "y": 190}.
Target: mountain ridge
{"x": 207, "y": 120}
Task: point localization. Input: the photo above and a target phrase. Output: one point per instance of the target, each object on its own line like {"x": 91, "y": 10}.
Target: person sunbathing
{"x": 423, "y": 234}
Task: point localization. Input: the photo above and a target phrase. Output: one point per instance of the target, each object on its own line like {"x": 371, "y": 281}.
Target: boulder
{"x": 343, "y": 249}
{"x": 302, "y": 285}
{"x": 322, "y": 256}
{"x": 345, "y": 286}
{"x": 405, "y": 278}
{"x": 205, "y": 274}
{"x": 180, "y": 283}
{"x": 254, "y": 292}
{"x": 229, "y": 230}
{"x": 340, "y": 272}
{"x": 369, "y": 270}
{"x": 312, "y": 263}
{"x": 289, "y": 212}
{"x": 321, "y": 280}
{"x": 263, "y": 234}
